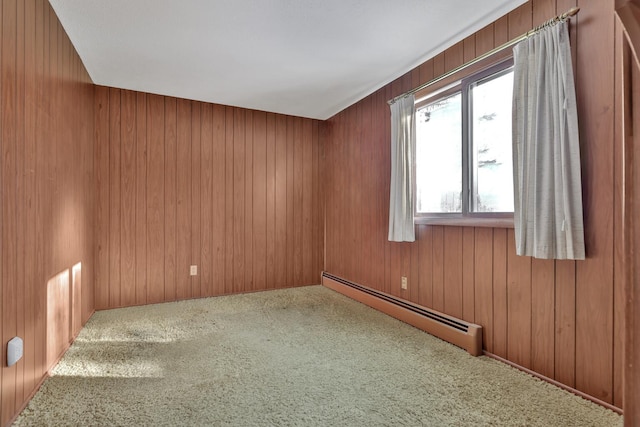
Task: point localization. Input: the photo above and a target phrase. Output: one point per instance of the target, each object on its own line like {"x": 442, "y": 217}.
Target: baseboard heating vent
{"x": 458, "y": 332}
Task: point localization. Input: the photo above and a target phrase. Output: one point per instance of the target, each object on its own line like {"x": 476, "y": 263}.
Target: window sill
{"x": 504, "y": 222}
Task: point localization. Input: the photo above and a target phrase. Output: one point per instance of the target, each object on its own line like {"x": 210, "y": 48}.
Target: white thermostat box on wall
{"x": 14, "y": 351}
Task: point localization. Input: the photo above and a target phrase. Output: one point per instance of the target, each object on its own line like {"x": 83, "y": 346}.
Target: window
{"x": 463, "y": 147}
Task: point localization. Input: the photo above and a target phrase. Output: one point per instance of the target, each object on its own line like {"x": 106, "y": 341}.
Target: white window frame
{"x": 466, "y": 217}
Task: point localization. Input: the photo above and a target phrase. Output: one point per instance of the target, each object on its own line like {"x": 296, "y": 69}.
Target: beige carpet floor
{"x": 296, "y": 357}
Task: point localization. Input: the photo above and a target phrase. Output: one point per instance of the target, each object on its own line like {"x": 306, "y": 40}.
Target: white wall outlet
{"x": 404, "y": 282}
{"x": 14, "y": 351}
{"x": 193, "y": 270}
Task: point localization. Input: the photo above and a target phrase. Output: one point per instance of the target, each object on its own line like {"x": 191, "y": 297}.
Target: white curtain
{"x": 403, "y": 147}
{"x": 546, "y": 150}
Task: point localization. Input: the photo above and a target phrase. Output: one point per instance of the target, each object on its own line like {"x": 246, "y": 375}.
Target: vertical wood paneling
{"x": 196, "y": 224}
{"x": 438, "y": 268}
{"x": 218, "y": 200}
{"x": 565, "y": 313}
{"x": 543, "y": 271}
{"x": 542, "y": 316}
{"x": 270, "y": 227}
{"x": 438, "y": 64}
{"x": 386, "y": 185}
{"x": 207, "y": 185}
{"x": 183, "y": 198}
{"x": 536, "y": 313}
{"x": 500, "y": 318}
{"x": 483, "y": 297}
{"x": 229, "y": 198}
{"x": 127, "y": 196}
{"x": 114, "y": 199}
{"x": 30, "y": 164}
{"x": 8, "y": 145}
{"x": 170, "y": 151}
{"x": 306, "y": 234}
{"x": 212, "y": 187}
{"x": 48, "y": 199}
{"x": 381, "y": 211}
{"x": 248, "y": 283}
{"x": 426, "y": 72}
{"x": 19, "y": 202}
{"x": 259, "y": 197}
{"x": 518, "y": 305}
{"x": 238, "y": 200}
{"x": 469, "y": 48}
{"x": 594, "y": 365}
{"x": 290, "y": 212}
{"x": 366, "y": 170}
{"x": 39, "y": 169}
{"x": 297, "y": 201}
{"x": 453, "y": 271}
{"x": 102, "y": 197}
{"x": 141, "y": 198}
{"x": 425, "y": 249}
{"x": 281, "y": 254}
{"x": 317, "y": 217}
{"x": 454, "y": 56}
{"x": 468, "y": 279}
{"x": 619, "y": 271}
{"x": 155, "y": 200}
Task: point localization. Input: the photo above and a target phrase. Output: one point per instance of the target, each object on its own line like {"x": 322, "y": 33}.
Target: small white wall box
{"x": 14, "y": 351}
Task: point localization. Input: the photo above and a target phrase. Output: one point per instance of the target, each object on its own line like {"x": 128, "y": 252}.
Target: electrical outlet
{"x": 404, "y": 282}
{"x": 193, "y": 271}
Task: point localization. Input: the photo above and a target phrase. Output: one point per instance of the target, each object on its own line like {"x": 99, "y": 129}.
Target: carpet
{"x": 295, "y": 357}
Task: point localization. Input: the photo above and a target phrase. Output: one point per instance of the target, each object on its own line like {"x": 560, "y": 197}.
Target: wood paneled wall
{"x": 235, "y": 192}
{"x": 561, "y": 319}
{"x": 47, "y": 187}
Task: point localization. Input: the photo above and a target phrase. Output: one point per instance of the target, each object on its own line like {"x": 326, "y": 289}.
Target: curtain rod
{"x": 508, "y": 44}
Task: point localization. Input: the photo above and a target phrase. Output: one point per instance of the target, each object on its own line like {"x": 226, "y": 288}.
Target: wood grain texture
{"x": 594, "y": 276}
{"x": 258, "y": 232}
{"x": 207, "y": 185}
{"x": 500, "y": 301}
{"x": 518, "y": 305}
{"x": 127, "y": 196}
{"x": 627, "y": 207}
{"x": 114, "y": 159}
{"x": 468, "y": 278}
{"x": 270, "y": 226}
{"x": 140, "y": 199}
{"x": 195, "y": 175}
{"x": 535, "y": 313}
{"x": 183, "y": 199}
{"x": 202, "y": 197}
{"x": 483, "y": 289}
{"x": 619, "y": 271}
{"x": 114, "y": 198}
{"x": 217, "y": 168}
{"x": 170, "y": 202}
{"x": 452, "y": 280}
{"x": 155, "y": 203}
{"x": 48, "y": 200}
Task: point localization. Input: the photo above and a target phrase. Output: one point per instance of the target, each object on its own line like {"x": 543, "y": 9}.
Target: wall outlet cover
{"x": 14, "y": 351}
{"x": 193, "y": 270}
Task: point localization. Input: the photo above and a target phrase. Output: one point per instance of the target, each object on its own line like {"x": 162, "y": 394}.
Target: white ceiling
{"x": 308, "y": 58}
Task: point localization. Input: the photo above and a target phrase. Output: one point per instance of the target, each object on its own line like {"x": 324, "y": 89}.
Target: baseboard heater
{"x": 455, "y": 331}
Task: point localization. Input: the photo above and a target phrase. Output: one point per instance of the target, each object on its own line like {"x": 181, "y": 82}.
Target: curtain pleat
{"x": 548, "y": 217}
{"x": 403, "y": 146}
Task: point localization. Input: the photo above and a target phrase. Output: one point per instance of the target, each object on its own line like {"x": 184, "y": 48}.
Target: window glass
{"x": 463, "y": 164}
{"x": 492, "y": 171}
{"x": 438, "y": 156}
